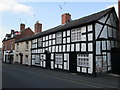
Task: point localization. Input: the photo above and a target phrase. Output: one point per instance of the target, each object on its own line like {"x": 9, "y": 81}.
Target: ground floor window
{"x": 26, "y": 59}
{"x": 58, "y": 59}
{"x": 83, "y": 60}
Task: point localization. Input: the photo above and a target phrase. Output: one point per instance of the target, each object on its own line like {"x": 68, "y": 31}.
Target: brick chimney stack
{"x": 38, "y": 27}
{"x": 22, "y": 26}
{"x": 66, "y": 18}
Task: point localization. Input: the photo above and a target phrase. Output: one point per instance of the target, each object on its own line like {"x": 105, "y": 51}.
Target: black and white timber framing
{"x": 82, "y": 46}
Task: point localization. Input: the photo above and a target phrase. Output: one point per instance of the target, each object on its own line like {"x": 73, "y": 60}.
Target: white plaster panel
{"x": 72, "y": 47}
{"x": 98, "y": 49}
{"x": 90, "y": 37}
{"x": 68, "y": 47}
{"x": 89, "y": 27}
{"x": 60, "y": 48}
{"x": 52, "y": 56}
{"x": 65, "y": 65}
{"x": 63, "y": 48}
{"x": 49, "y": 42}
{"x": 90, "y": 70}
{"x": 83, "y": 38}
{"x": 77, "y": 47}
{"x": 53, "y": 35}
{"x": 83, "y": 47}
{"x": 53, "y": 42}
{"x": 56, "y": 48}
{"x": 52, "y": 65}
{"x": 83, "y": 29}
{"x": 68, "y": 33}
{"x": 98, "y": 28}
{"x": 46, "y": 37}
{"x": 90, "y": 46}
{"x": 60, "y": 66}
{"x": 78, "y": 69}
{"x": 43, "y": 38}
{"x": 64, "y": 34}
{"x": 50, "y": 36}
{"x": 53, "y": 48}
{"x": 84, "y": 70}
{"x": 68, "y": 39}
{"x": 55, "y": 65}
{"x": 41, "y": 64}
{"x": 64, "y": 40}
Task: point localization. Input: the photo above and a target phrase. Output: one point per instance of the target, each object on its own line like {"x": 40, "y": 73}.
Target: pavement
{"x": 107, "y": 81}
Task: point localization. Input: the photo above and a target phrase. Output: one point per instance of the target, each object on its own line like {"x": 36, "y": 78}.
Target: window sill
{"x": 26, "y": 49}
{"x": 84, "y": 66}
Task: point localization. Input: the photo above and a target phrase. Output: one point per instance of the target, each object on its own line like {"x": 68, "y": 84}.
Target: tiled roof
{"x": 71, "y": 24}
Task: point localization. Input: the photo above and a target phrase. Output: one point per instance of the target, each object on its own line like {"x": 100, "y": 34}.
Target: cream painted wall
{"x": 22, "y": 49}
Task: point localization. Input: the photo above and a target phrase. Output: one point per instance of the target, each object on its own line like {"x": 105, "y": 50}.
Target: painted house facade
{"x": 81, "y": 46}
{"x": 22, "y": 53}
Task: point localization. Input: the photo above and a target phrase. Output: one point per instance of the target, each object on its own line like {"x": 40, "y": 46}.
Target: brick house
{"x": 8, "y": 43}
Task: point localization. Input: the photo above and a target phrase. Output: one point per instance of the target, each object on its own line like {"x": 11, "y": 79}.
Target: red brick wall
{"x": 24, "y": 33}
{"x": 9, "y": 44}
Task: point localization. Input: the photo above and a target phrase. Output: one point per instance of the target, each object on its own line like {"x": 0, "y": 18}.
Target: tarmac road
{"x": 19, "y": 76}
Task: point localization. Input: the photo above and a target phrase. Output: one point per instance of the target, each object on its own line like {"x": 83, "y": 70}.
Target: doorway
{"x": 73, "y": 62}
{"x": 48, "y": 65}
{"x": 21, "y": 58}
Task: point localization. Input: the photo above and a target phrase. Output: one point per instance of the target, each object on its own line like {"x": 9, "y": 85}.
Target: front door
{"x": 21, "y": 59}
{"x": 47, "y": 59}
{"x": 73, "y": 62}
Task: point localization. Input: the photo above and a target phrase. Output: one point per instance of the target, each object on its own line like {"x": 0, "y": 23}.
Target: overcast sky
{"x": 12, "y": 13}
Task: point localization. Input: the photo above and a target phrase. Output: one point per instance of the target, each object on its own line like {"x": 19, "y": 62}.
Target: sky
{"x": 13, "y": 12}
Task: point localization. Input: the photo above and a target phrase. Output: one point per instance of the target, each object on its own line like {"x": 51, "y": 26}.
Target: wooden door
{"x": 73, "y": 62}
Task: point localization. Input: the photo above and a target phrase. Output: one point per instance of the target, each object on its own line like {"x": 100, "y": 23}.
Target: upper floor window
{"x": 17, "y": 47}
{"x": 76, "y": 34}
{"x": 59, "y": 38}
{"x": 40, "y": 42}
{"x": 27, "y": 45}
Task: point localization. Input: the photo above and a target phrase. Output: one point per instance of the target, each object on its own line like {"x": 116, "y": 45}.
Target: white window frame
{"x": 58, "y": 59}
{"x": 40, "y": 42}
{"x": 17, "y": 46}
{"x": 58, "y": 37}
{"x": 83, "y": 60}
{"x": 27, "y": 45}
{"x": 76, "y": 34}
